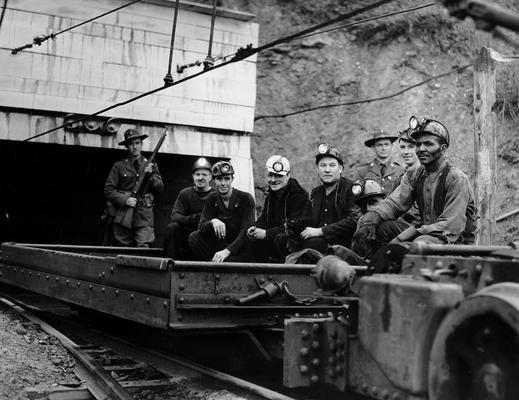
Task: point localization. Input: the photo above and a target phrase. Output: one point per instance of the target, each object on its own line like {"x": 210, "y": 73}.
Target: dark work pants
{"x": 316, "y": 243}
{"x": 140, "y": 236}
{"x": 388, "y": 230}
{"x": 203, "y": 247}
{"x": 175, "y": 241}
{"x": 268, "y": 250}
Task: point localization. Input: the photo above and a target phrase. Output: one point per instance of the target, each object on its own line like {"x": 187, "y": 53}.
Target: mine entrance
{"x": 53, "y": 193}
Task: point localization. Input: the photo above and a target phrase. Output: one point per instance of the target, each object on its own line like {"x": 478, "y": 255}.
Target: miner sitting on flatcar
{"x": 227, "y": 213}
{"x": 285, "y": 201}
{"x": 331, "y": 215}
{"x": 186, "y": 212}
{"x": 442, "y": 192}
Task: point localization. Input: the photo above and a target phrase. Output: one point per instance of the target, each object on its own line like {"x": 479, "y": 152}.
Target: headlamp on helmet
{"x": 222, "y": 168}
{"x": 278, "y": 165}
{"x": 323, "y": 148}
{"x": 356, "y": 189}
{"x": 365, "y": 189}
{"x": 430, "y": 126}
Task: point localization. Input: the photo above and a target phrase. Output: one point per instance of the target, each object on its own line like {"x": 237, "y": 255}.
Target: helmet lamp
{"x": 323, "y": 148}
{"x": 356, "y": 189}
{"x": 413, "y": 122}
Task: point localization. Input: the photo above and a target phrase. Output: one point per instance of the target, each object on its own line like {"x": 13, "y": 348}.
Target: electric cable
{"x": 209, "y": 60}
{"x": 3, "y": 13}
{"x": 168, "y": 79}
{"x": 241, "y": 54}
{"x": 368, "y": 20}
{"x": 38, "y": 40}
{"x": 350, "y": 103}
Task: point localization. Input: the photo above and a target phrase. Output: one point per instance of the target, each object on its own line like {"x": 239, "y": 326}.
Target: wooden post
{"x": 485, "y": 148}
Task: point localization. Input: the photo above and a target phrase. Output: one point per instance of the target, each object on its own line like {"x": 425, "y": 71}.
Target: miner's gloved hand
{"x": 408, "y": 235}
{"x": 365, "y": 234}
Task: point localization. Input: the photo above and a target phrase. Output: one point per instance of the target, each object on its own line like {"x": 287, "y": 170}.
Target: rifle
{"x": 127, "y": 220}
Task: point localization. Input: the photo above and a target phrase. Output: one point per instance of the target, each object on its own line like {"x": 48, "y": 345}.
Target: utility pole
{"x": 485, "y": 147}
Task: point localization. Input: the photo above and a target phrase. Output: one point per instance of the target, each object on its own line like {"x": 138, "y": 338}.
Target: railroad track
{"x": 111, "y": 368}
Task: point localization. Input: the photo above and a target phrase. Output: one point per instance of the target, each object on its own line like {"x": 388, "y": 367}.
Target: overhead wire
{"x": 3, "y": 13}
{"x": 38, "y": 40}
{"x": 241, "y": 54}
{"x": 370, "y": 100}
{"x": 362, "y": 21}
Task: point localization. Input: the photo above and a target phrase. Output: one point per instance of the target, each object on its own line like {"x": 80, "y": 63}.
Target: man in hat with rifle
{"x": 130, "y": 189}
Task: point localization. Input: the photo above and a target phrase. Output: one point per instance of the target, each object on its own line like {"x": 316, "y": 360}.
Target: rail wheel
{"x": 475, "y": 354}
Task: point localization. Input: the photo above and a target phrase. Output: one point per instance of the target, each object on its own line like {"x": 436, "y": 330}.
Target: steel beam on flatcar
{"x": 121, "y": 272}
{"x": 134, "y": 306}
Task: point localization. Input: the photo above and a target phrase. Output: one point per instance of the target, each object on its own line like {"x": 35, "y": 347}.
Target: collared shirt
{"x": 392, "y": 174}
{"x": 451, "y": 222}
{"x": 328, "y": 214}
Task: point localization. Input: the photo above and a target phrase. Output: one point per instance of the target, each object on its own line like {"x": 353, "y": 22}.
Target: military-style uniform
{"x": 387, "y": 175}
{"x": 118, "y": 188}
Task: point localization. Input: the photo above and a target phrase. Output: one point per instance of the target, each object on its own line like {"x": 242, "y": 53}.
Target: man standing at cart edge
{"x": 285, "y": 202}
{"x": 186, "y": 212}
{"x": 442, "y": 192}
{"x": 119, "y": 187}
{"x": 227, "y": 213}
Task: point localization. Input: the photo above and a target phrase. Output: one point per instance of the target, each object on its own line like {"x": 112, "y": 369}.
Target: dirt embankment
{"x": 370, "y": 60}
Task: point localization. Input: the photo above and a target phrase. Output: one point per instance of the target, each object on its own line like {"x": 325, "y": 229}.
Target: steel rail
{"x": 101, "y": 384}
{"x": 169, "y": 364}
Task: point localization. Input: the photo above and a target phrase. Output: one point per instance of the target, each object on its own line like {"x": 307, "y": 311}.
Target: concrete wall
{"x": 120, "y": 56}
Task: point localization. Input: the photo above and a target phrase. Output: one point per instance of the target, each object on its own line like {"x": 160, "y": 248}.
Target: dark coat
{"x": 341, "y": 231}
{"x": 119, "y": 186}
{"x": 288, "y": 205}
{"x": 238, "y": 217}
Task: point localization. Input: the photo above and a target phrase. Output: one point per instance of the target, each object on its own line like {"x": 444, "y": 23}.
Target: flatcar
{"x": 445, "y": 327}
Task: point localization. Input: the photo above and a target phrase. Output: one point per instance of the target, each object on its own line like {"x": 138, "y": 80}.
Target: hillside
{"x": 370, "y": 60}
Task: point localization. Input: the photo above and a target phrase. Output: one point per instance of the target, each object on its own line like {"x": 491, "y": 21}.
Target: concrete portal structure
{"x": 121, "y": 56}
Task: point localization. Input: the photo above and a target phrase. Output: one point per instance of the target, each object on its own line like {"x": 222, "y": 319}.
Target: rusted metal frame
{"x": 138, "y": 307}
{"x": 101, "y": 270}
{"x": 199, "y": 266}
{"x": 455, "y": 249}
{"x": 102, "y": 385}
{"x": 96, "y": 250}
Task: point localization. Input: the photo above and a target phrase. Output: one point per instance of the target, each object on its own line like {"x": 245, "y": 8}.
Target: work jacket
{"x": 282, "y": 206}
{"x": 188, "y": 207}
{"x": 119, "y": 186}
{"x": 347, "y": 213}
{"x": 445, "y": 202}
{"x": 237, "y": 217}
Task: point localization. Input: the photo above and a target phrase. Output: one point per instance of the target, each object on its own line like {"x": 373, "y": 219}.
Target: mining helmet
{"x": 365, "y": 189}
{"x": 406, "y": 135}
{"x": 222, "y": 168}
{"x": 325, "y": 150}
{"x": 431, "y": 126}
{"x": 130, "y": 134}
{"x": 201, "y": 163}
{"x": 379, "y": 135}
{"x": 278, "y": 165}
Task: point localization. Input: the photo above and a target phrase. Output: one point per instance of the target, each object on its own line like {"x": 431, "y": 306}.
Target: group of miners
{"x": 424, "y": 198}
